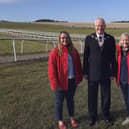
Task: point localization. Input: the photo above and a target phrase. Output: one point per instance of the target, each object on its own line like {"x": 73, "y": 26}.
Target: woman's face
{"x": 64, "y": 39}
{"x": 124, "y": 42}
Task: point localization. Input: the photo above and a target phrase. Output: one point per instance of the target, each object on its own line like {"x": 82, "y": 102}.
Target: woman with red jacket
{"x": 123, "y": 70}
{"x": 65, "y": 73}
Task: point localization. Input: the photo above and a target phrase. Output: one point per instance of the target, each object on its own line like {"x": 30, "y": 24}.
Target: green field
{"x": 57, "y": 28}
{"x": 26, "y": 100}
{"x": 36, "y": 47}
{"x": 29, "y": 47}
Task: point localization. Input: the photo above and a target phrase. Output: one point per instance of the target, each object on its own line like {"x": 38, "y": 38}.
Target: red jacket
{"x": 119, "y": 63}
{"x": 58, "y": 68}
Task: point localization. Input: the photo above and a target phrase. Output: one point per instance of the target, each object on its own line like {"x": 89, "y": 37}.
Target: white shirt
{"x": 100, "y": 41}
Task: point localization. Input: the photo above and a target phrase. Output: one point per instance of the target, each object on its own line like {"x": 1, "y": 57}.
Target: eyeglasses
{"x": 100, "y": 26}
{"x": 125, "y": 40}
{"x": 64, "y": 37}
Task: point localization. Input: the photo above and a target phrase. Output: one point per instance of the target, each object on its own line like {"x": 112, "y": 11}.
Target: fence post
{"x": 14, "y": 51}
{"x": 54, "y": 44}
{"x": 81, "y": 44}
{"x": 22, "y": 43}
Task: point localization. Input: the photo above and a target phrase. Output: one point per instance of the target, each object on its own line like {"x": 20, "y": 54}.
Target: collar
{"x": 102, "y": 35}
{"x": 124, "y": 50}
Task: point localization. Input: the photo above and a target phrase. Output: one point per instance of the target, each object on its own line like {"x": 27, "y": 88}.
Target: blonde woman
{"x": 123, "y": 70}
{"x": 65, "y": 73}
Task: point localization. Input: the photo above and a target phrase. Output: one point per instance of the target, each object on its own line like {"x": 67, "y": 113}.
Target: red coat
{"x": 58, "y": 68}
{"x": 119, "y": 63}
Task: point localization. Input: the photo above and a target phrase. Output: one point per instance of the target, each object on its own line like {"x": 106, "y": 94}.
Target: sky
{"x": 64, "y": 10}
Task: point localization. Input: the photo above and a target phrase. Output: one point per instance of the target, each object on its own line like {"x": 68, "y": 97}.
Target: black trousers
{"x": 125, "y": 92}
{"x": 105, "y": 87}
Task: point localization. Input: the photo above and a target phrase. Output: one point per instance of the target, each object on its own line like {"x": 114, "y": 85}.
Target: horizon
{"x": 53, "y": 20}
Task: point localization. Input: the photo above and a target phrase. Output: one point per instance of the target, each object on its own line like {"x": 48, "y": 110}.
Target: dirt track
{"x": 6, "y": 59}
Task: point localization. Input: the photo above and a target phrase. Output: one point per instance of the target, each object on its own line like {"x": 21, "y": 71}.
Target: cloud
{"x": 8, "y": 1}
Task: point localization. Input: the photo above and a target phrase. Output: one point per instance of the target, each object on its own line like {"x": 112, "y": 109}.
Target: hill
{"x": 48, "y": 20}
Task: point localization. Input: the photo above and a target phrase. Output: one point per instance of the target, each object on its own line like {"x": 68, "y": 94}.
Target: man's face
{"x": 99, "y": 26}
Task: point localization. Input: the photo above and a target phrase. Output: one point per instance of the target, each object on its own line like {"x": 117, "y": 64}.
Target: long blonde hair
{"x": 59, "y": 44}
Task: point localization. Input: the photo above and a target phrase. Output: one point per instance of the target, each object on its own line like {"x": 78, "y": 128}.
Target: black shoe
{"x": 91, "y": 122}
{"x": 108, "y": 122}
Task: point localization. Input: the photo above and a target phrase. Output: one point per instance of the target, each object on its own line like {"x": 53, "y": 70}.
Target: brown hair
{"x": 59, "y": 44}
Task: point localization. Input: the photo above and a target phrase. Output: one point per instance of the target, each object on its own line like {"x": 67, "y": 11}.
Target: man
{"x": 99, "y": 67}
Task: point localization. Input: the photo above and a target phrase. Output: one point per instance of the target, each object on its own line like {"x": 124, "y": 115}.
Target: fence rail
{"x": 42, "y": 37}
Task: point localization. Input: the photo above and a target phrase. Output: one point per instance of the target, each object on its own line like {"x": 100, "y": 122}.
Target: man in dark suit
{"x": 99, "y": 67}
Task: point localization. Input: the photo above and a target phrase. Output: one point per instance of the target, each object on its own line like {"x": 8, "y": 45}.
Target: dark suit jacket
{"x": 99, "y": 64}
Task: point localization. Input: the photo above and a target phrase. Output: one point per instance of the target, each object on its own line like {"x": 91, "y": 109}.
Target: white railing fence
{"x": 46, "y": 38}
{"x": 39, "y": 37}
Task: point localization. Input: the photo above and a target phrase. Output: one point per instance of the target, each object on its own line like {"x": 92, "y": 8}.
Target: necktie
{"x": 100, "y": 41}
{"x": 100, "y": 38}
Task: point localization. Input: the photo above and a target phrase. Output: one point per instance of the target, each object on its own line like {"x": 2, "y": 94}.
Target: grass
{"x": 29, "y": 47}
{"x": 27, "y": 102}
{"x": 6, "y": 47}
{"x": 57, "y": 28}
